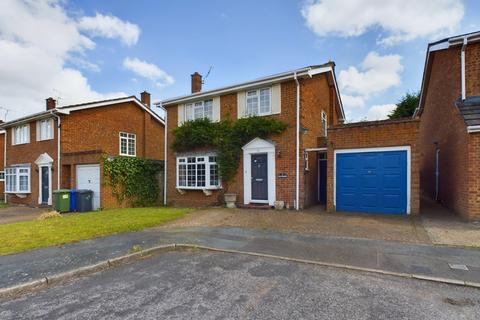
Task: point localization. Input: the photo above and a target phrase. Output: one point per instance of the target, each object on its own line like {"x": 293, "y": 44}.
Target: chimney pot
{"x": 196, "y": 82}
{"x": 145, "y": 98}
{"x": 51, "y": 103}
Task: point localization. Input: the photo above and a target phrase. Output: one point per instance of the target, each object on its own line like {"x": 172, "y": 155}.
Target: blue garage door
{"x": 372, "y": 182}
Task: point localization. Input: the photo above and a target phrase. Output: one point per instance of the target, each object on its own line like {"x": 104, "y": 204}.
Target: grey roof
{"x": 470, "y": 110}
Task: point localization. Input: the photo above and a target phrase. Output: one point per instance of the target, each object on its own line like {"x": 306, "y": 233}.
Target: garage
{"x": 88, "y": 177}
{"x": 372, "y": 180}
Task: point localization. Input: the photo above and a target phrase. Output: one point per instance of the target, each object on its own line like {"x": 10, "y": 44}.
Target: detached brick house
{"x": 450, "y": 124}
{"x": 365, "y": 167}
{"x": 63, "y": 146}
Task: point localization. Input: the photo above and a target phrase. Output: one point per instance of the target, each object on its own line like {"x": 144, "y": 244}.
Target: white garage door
{"x": 88, "y": 177}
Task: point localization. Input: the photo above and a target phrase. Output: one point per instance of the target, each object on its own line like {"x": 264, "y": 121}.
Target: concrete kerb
{"x": 24, "y": 288}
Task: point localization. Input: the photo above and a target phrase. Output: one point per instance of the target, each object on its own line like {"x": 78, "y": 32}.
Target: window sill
{"x": 127, "y": 155}
{"x": 40, "y": 140}
{"x": 20, "y": 144}
{"x": 198, "y": 188}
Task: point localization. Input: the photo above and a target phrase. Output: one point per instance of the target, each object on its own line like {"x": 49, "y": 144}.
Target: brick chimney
{"x": 51, "y": 103}
{"x": 196, "y": 82}
{"x": 145, "y": 98}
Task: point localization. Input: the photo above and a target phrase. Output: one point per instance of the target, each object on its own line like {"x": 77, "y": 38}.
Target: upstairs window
{"x": 17, "y": 180}
{"x": 258, "y": 102}
{"x": 198, "y": 172}
{"x": 199, "y": 110}
{"x": 128, "y": 144}
{"x": 21, "y": 134}
{"x": 324, "y": 123}
{"x": 45, "y": 129}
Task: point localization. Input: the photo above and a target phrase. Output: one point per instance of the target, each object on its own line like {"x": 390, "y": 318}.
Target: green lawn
{"x": 22, "y": 236}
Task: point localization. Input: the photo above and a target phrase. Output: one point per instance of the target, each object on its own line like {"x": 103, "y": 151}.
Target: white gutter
{"x": 462, "y": 60}
{"x": 165, "y": 151}
{"x": 297, "y": 145}
{"x": 471, "y": 129}
{"x": 59, "y": 166}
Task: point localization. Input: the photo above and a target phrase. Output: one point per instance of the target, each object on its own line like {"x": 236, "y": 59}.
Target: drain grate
{"x": 458, "y": 266}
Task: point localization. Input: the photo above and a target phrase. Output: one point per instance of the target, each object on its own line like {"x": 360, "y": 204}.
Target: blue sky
{"x": 111, "y": 48}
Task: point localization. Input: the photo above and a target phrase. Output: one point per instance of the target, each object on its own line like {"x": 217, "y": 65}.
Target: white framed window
{"x": 45, "y": 129}
{"x": 21, "y": 134}
{"x": 2, "y": 175}
{"x": 324, "y": 123}
{"x": 128, "y": 144}
{"x": 198, "y": 172}
{"x": 199, "y": 110}
{"x": 259, "y": 102}
{"x": 17, "y": 180}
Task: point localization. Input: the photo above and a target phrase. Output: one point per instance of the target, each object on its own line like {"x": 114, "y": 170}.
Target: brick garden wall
{"x": 376, "y": 134}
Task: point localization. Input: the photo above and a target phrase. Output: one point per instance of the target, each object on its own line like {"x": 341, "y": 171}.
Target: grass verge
{"x": 23, "y": 236}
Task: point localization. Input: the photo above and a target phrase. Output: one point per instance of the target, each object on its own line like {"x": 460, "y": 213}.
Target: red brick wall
{"x": 376, "y": 134}
{"x": 472, "y": 69}
{"x": 314, "y": 97}
{"x": 96, "y": 131}
{"x": 441, "y": 122}
{"x": 27, "y": 154}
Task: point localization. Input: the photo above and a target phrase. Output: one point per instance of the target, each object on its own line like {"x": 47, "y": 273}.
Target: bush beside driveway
{"x": 22, "y": 236}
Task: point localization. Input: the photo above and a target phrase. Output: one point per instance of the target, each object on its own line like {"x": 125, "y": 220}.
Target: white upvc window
{"x": 198, "y": 172}
{"x": 45, "y": 129}
{"x": 128, "y": 145}
{"x": 17, "y": 180}
{"x": 259, "y": 102}
{"x": 199, "y": 110}
{"x": 324, "y": 123}
{"x": 21, "y": 134}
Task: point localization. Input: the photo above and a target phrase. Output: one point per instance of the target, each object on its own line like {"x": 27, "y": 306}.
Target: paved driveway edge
{"x": 24, "y": 288}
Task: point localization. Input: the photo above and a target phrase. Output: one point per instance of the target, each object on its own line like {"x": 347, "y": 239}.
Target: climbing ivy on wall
{"x": 227, "y": 137}
{"x": 133, "y": 179}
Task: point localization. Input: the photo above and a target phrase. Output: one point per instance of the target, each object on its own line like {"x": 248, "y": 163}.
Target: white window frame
{"x": 16, "y": 175}
{"x": 324, "y": 123}
{"x": 129, "y": 138}
{"x": 183, "y": 161}
{"x": 257, "y": 96}
{"x": 49, "y": 127}
{"x": 190, "y": 110}
{"x": 26, "y": 134}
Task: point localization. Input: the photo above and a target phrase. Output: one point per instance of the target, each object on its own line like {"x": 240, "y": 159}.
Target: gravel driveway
{"x": 204, "y": 285}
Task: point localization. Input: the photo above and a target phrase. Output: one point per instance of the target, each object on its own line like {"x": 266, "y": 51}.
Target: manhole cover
{"x": 458, "y": 266}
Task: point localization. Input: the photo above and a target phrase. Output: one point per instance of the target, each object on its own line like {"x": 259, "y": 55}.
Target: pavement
{"x": 420, "y": 259}
{"x": 13, "y": 214}
{"x": 206, "y": 285}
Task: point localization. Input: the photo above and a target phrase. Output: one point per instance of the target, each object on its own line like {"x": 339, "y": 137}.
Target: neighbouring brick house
{"x": 377, "y": 162}
{"x": 125, "y": 126}
{"x": 449, "y": 111}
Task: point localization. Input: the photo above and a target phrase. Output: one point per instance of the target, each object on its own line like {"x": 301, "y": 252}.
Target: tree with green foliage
{"x": 406, "y": 106}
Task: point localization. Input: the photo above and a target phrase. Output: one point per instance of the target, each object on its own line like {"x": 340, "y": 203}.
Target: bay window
{"x": 199, "y": 110}
{"x": 258, "y": 102}
{"x": 17, "y": 180}
{"x": 198, "y": 172}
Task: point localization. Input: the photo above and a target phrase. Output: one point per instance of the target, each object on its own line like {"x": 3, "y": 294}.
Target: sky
{"x": 78, "y": 51}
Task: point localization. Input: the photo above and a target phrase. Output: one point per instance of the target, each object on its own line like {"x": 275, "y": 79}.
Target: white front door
{"x": 88, "y": 177}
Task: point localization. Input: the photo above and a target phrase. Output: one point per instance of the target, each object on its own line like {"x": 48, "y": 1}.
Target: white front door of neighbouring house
{"x": 259, "y": 183}
{"x": 44, "y": 163}
{"x": 88, "y": 177}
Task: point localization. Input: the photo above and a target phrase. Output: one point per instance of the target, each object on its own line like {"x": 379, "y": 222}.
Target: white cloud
{"x": 148, "y": 71}
{"x": 108, "y": 26}
{"x": 380, "y": 112}
{"x": 37, "y": 38}
{"x": 353, "y": 101}
{"x": 400, "y": 20}
{"x": 377, "y": 73}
